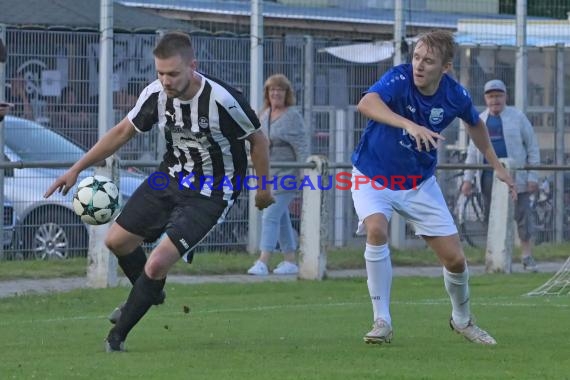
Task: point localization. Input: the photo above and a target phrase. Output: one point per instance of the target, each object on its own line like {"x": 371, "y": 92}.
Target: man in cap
{"x": 512, "y": 136}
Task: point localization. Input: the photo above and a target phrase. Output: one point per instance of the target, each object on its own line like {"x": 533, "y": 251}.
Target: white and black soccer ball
{"x": 96, "y": 200}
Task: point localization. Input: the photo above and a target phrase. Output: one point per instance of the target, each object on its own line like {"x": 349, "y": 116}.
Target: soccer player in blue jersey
{"x": 408, "y": 108}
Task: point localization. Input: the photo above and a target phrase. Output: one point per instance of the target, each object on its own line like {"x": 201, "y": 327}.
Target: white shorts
{"x": 424, "y": 207}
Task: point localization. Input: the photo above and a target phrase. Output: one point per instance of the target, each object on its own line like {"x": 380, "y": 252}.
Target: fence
{"x": 52, "y": 79}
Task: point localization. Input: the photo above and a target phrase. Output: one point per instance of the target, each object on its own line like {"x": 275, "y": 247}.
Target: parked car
{"x": 47, "y": 228}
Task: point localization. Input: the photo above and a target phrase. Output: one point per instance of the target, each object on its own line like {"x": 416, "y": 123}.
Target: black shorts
{"x": 186, "y": 216}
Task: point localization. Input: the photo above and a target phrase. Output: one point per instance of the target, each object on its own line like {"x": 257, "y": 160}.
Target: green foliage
{"x": 554, "y": 8}
{"x": 292, "y": 330}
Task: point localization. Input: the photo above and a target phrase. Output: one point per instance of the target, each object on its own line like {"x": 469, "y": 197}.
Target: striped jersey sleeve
{"x": 145, "y": 112}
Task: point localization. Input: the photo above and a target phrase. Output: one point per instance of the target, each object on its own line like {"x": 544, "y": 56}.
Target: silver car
{"x": 47, "y": 228}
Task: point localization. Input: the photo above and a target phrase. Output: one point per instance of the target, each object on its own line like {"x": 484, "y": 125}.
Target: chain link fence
{"x": 52, "y": 78}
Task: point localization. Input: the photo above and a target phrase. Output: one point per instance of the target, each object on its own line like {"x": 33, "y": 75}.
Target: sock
{"x": 133, "y": 264}
{"x": 143, "y": 295}
{"x": 457, "y": 286}
{"x": 379, "y": 272}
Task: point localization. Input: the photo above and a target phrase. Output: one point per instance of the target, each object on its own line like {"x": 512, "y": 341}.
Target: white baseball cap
{"x": 495, "y": 85}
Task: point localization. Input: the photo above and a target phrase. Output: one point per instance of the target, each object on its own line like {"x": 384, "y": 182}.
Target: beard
{"x": 175, "y": 93}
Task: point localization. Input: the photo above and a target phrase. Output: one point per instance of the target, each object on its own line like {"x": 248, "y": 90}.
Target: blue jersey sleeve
{"x": 468, "y": 112}
{"x": 390, "y": 86}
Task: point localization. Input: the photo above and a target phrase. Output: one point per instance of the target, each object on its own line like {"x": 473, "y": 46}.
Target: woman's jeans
{"x": 276, "y": 225}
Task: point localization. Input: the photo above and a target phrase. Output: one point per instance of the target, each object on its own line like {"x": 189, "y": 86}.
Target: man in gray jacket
{"x": 512, "y": 136}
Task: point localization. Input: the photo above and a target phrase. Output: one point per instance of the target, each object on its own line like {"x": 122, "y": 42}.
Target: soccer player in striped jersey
{"x": 407, "y": 109}
{"x": 205, "y": 124}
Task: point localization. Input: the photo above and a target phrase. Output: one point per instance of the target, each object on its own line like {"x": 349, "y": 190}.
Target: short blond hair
{"x": 441, "y": 41}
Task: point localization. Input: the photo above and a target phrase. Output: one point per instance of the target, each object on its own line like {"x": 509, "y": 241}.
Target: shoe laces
{"x": 476, "y": 332}
{"x": 380, "y": 324}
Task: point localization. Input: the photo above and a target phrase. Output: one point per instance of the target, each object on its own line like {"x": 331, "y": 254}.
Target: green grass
{"x": 292, "y": 330}
{"x": 232, "y": 263}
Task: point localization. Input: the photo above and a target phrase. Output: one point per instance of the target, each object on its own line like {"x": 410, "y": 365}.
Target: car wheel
{"x": 50, "y": 242}
{"x": 55, "y": 234}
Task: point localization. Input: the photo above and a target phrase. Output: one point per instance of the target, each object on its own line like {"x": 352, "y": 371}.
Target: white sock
{"x": 379, "y": 271}
{"x": 457, "y": 286}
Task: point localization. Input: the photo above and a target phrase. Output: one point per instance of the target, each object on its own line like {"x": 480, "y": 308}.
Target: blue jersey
{"x": 387, "y": 152}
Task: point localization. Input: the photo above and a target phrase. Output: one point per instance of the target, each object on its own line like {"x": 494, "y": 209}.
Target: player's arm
{"x": 115, "y": 138}
{"x": 373, "y": 107}
{"x": 259, "y": 145}
{"x": 469, "y": 174}
{"x": 480, "y": 137}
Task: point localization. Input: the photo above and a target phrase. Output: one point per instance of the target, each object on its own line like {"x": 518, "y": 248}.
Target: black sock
{"x": 143, "y": 295}
{"x": 133, "y": 264}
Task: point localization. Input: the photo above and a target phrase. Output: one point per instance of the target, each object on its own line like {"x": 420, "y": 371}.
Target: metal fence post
{"x": 500, "y": 235}
{"x": 2, "y": 92}
{"x": 253, "y": 223}
{"x": 559, "y": 146}
{"x": 340, "y": 155}
{"x": 256, "y": 100}
{"x": 312, "y": 252}
{"x": 102, "y": 264}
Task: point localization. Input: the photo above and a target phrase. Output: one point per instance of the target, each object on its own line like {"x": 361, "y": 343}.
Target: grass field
{"x": 292, "y": 330}
{"x": 239, "y": 262}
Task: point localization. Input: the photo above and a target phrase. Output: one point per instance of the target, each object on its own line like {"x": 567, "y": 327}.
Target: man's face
{"x": 175, "y": 75}
{"x": 428, "y": 68}
{"x": 496, "y": 101}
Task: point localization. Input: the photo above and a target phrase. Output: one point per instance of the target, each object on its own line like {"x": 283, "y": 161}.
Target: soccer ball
{"x": 96, "y": 200}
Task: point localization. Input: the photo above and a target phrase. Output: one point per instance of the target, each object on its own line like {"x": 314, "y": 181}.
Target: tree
{"x": 539, "y": 8}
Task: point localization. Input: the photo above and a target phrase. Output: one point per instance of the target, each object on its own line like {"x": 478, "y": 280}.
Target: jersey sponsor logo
{"x": 436, "y": 116}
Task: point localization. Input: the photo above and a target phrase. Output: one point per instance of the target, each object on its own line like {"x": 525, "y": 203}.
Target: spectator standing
{"x": 288, "y": 138}
{"x": 512, "y": 136}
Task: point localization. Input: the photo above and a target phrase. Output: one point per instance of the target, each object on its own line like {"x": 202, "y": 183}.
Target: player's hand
{"x": 63, "y": 184}
{"x": 504, "y": 176}
{"x": 263, "y": 199}
{"x": 466, "y": 188}
{"x": 425, "y": 138}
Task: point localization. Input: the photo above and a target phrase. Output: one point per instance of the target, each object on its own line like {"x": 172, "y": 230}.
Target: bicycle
{"x": 469, "y": 211}
{"x": 472, "y": 218}
{"x": 543, "y": 211}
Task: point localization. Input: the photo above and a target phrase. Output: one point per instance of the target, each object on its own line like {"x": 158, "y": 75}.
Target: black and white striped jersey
{"x": 204, "y": 136}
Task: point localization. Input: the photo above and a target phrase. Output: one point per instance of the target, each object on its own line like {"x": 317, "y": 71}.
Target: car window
{"x": 34, "y": 142}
